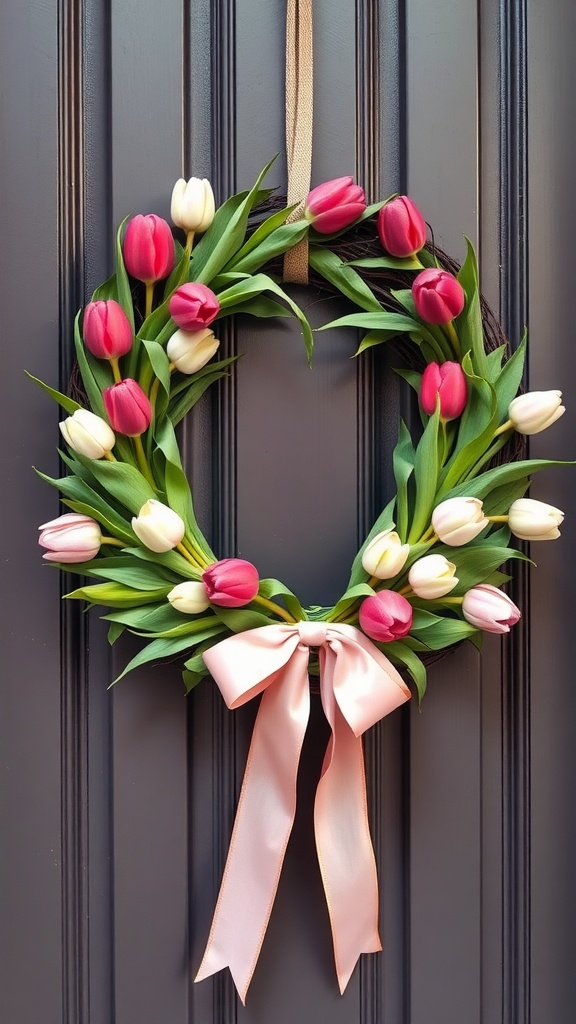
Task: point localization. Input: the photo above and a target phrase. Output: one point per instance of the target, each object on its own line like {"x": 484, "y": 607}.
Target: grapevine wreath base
{"x": 429, "y": 574}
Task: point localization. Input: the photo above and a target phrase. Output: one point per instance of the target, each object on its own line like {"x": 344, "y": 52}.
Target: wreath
{"x": 428, "y": 576}
{"x": 429, "y": 573}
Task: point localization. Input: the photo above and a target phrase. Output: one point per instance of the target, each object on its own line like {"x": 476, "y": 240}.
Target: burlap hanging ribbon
{"x": 299, "y": 119}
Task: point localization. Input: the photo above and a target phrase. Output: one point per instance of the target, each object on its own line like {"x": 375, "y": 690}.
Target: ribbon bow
{"x": 358, "y": 687}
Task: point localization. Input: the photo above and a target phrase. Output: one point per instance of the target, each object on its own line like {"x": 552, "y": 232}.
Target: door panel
{"x": 120, "y": 803}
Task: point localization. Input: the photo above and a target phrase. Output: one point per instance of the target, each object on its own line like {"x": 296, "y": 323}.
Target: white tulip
{"x": 536, "y": 410}
{"x": 158, "y": 526}
{"x": 385, "y": 556}
{"x": 457, "y": 521}
{"x": 432, "y": 577}
{"x": 189, "y": 351}
{"x": 189, "y": 598}
{"x": 534, "y": 520}
{"x": 87, "y": 434}
{"x": 192, "y": 207}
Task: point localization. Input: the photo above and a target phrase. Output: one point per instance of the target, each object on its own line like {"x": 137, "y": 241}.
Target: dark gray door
{"x": 117, "y": 807}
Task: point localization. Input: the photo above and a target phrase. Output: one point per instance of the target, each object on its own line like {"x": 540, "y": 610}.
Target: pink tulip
{"x": 70, "y": 538}
{"x": 335, "y": 205}
{"x": 193, "y": 306}
{"x": 386, "y": 616}
{"x": 231, "y": 582}
{"x": 401, "y": 227}
{"x": 438, "y": 296}
{"x": 448, "y": 381}
{"x": 127, "y": 408}
{"x": 148, "y": 248}
{"x": 490, "y": 609}
{"x": 107, "y": 330}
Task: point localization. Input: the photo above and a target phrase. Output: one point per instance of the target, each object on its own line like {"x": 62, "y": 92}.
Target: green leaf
{"x": 386, "y": 262}
{"x": 508, "y": 381}
{"x": 111, "y": 525}
{"x": 399, "y": 653}
{"x": 94, "y": 378}
{"x": 191, "y": 679}
{"x": 178, "y": 409}
{"x": 444, "y": 633}
{"x": 260, "y": 306}
{"x": 352, "y": 595}
{"x": 225, "y": 236}
{"x": 500, "y": 499}
{"x": 426, "y": 468}
{"x": 125, "y": 483}
{"x": 125, "y": 569}
{"x": 117, "y": 595}
{"x": 115, "y": 631}
{"x": 122, "y": 282}
{"x": 258, "y": 284}
{"x": 344, "y": 278}
{"x": 476, "y": 429}
{"x": 169, "y": 559}
{"x": 239, "y": 620}
{"x": 373, "y": 338}
{"x": 396, "y": 322}
{"x": 482, "y": 485}
{"x": 159, "y": 362}
{"x": 274, "y": 588}
{"x": 468, "y": 324}
{"x": 475, "y": 562}
{"x": 403, "y": 461}
{"x": 179, "y": 498}
{"x": 67, "y": 403}
{"x": 180, "y": 273}
{"x": 283, "y": 238}
{"x": 158, "y": 649}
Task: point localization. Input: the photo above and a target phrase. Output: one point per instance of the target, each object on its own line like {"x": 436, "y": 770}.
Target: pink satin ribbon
{"x": 358, "y": 686}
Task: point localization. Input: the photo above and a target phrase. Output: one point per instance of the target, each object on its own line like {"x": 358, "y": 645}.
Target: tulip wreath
{"x": 429, "y": 573}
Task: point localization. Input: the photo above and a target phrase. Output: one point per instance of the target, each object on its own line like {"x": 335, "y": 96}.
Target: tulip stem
{"x": 114, "y": 542}
{"x": 197, "y": 552}
{"x": 115, "y": 369}
{"x": 453, "y": 338}
{"x": 142, "y": 462}
{"x": 149, "y": 299}
{"x": 497, "y": 519}
{"x": 154, "y": 391}
{"x": 427, "y": 536}
{"x": 505, "y": 426}
{"x": 273, "y": 607}
{"x": 110, "y": 457}
{"x": 186, "y": 554}
{"x": 189, "y": 242}
{"x": 451, "y": 600}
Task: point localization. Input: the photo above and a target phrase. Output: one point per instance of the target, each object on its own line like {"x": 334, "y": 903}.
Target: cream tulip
{"x": 385, "y": 556}
{"x": 457, "y": 521}
{"x": 432, "y": 576}
{"x": 158, "y": 526}
{"x": 190, "y": 598}
{"x": 192, "y": 207}
{"x": 88, "y": 434}
{"x": 189, "y": 351}
{"x": 529, "y": 519}
{"x": 536, "y": 410}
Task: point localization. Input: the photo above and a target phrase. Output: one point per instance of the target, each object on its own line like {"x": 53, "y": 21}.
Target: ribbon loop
{"x": 358, "y": 686}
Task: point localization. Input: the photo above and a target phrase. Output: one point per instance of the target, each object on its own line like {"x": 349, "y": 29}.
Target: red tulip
{"x": 193, "y": 306}
{"x": 231, "y": 582}
{"x": 148, "y": 248}
{"x": 107, "y": 330}
{"x": 386, "y": 616}
{"x": 401, "y": 227}
{"x": 127, "y": 408}
{"x": 448, "y": 381}
{"x": 335, "y": 205}
{"x": 438, "y": 296}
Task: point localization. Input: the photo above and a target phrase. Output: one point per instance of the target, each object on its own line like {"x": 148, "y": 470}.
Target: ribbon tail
{"x": 343, "y": 842}
{"x": 263, "y": 824}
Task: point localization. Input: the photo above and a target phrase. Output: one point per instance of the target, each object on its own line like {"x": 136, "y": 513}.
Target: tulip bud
{"x": 449, "y": 382}
{"x": 70, "y": 538}
{"x": 127, "y": 407}
{"x": 490, "y": 609}
{"x": 189, "y": 351}
{"x": 386, "y": 616}
{"x": 432, "y": 577}
{"x": 106, "y": 328}
{"x": 190, "y": 598}
{"x": 438, "y": 296}
{"x": 401, "y": 227}
{"x": 458, "y": 520}
{"x": 148, "y": 248}
{"x": 231, "y": 582}
{"x": 192, "y": 207}
{"x": 534, "y": 520}
{"x": 536, "y": 410}
{"x": 385, "y": 555}
{"x": 158, "y": 526}
{"x": 335, "y": 205}
{"x": 193, "y": 306}
{"x": 87, "y": 434}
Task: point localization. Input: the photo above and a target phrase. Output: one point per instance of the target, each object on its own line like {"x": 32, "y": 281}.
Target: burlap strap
{"x": 299, "y": 117}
